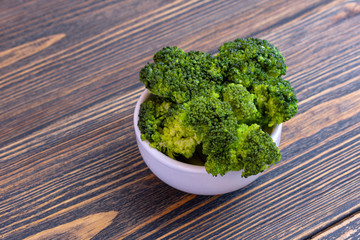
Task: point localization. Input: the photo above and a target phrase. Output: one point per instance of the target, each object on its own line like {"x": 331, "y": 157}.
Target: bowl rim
{"x": 166, "y": 160}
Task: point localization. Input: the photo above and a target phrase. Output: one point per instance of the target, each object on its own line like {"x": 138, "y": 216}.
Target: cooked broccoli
{"x": 218, "y": 105}
{"x": 179, "y": 137}
{"x": 151, "y": 117}
{"x": 243, "y": 147}
{"x": 256, "y": 150}
{"x": 251, "y": 59}
{"x": 242, "y": 102}
{"x": 275, "y": 99}
{"x": 162, "y": 124}
{"x": 179, "y": 76}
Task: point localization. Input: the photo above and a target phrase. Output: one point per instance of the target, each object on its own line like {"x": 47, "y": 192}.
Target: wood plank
{"x": 68, "y": 153}
{"x": 83, "y": 228}
{"x": 57, "y": 80}
{"x": 348, "y": 228}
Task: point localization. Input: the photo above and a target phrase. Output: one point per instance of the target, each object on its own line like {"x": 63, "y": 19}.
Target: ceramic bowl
{"x": 187, "y": 177}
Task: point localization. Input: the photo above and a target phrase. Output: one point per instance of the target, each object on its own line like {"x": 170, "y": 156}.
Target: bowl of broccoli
{"x": 211, "y": 124}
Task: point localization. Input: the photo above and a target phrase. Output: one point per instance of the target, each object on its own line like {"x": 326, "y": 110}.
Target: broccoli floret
{"x": 256, "y": 150}
{"x": 188, "y": 126}
{"x": 275, "y": 99}
{"x": 169, "y": 55}
{"x": 220, "y": 145}
{"x": 162, "y": 124}
{"x": 240, "y": 147}
{"x": 151, "y": 117}
{"x": 218, "y": 106}
{"x": 206, "y": 111}
{"x": 249, "y": 59}
{"x": 178, "y": 137}
{"x": 215, "y": 120}
{"x": 179, "y": 76}
{"x": 228, "y": 145}
{"x": 242, "y": 102}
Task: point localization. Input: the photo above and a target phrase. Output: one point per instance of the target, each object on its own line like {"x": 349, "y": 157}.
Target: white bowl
{"x": 186, "y": 177}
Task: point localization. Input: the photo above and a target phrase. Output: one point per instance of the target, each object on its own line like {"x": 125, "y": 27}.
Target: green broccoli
{"x": 243, "y": 147}
{"x": 251, "y": 59}
{"x": 162, "y": 124}
{"x": 242, "y": 102}
{"x": 179, "y": 137}
{"x": 179, "y": 76}
{"x": 152, "y": 115}
{"x": 256, "y": 150}
{"x": 217, "y": 107}
{"x": 275, "y": 99}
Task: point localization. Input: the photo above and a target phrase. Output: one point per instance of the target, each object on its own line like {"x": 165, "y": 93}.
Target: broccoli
{"x": 243, "y": 147}
{"x": 162, "y": 124}
{"x": 217, "y": 107}
{"x": 275, "y": 99}
{"x": 242, "y": 102}
{"x": 256, "y": 150}
{"x": 179, "y": 137}
{"x": 251, "y": 59}
{"x": 151, "y": 117}
{"x": 179, "y": 76}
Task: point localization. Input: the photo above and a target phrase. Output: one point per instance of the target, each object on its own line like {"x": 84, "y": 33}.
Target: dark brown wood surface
{"x": 69, "y": 163}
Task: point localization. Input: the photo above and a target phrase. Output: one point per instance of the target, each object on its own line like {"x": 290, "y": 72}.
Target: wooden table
{"x": 69, "y": 164}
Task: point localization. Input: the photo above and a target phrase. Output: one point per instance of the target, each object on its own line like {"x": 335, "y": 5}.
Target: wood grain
{"x": 346, "y": 229}
{"x": 83, "y": 228}
{"x": 69, "y": 164}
